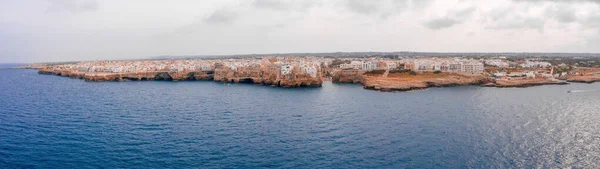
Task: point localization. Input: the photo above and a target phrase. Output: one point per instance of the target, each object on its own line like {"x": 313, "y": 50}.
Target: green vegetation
{"x": 437, "y": 72}
{"x": 413, "y": 73}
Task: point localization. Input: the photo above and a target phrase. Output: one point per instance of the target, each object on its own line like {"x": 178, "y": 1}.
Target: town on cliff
{"x": 384, "y": 73}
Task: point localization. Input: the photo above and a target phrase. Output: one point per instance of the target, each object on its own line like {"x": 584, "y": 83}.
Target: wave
{"x": 580, "y": 91}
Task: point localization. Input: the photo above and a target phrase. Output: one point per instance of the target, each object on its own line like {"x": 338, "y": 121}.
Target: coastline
{"x": 393, "y": 83}
{"x": 400, "y": 82}
{"x": 583, "y": 79}
{"x": 217, "y": 76}
{"x": 407, "y": 82}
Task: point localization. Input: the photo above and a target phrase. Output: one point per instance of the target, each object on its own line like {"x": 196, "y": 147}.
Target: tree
{"x": 437, "y": 72}
{"x": 413, "y": 73}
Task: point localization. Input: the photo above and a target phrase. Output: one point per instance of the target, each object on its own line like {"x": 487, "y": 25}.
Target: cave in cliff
{"x": 163, "y": 76}
{"x": 247, "y": 80}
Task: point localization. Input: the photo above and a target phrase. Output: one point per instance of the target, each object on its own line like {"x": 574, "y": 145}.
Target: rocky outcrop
{"x": 298, "y": 81}
{"x": 348, "y": 76}
{"x": 522, "y": 83}
{"x": 406, "y": 82}
{"x": 100, "y": 77}
{"x": 583, "y": 79}
{"x": 224, "y": 75}
{"x": 257, "y": 76}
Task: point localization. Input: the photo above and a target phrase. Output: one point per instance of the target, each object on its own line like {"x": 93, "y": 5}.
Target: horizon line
{"x": 158, "y": 57}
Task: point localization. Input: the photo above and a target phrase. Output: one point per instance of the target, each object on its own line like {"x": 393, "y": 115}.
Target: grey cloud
{"x": 520, "y": 23}
{"x": 441, "y": 23}
{"x": 362, "y": 7}
{"x": 471, "y": 33}
{"x": 564, "y": 1}
{"x": 594, "y": 21}
{"x": 270, "y": 4}
{"x": 384, "y": 8}
{"x": 420, "y": 3}
{"x": 221, "y": 16}
{"x": 285, "y": 5}
{"x": 465, "y": 12}
{"x": 562, "y": 14}
{"x": 73, "y": 6}
{"x": 453, "y": 18}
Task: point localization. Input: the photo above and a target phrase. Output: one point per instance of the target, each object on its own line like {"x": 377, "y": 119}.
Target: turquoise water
{"x": 56, "y": 122}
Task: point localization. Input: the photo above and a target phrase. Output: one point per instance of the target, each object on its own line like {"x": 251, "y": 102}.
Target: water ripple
{"x": 55, "y": 122}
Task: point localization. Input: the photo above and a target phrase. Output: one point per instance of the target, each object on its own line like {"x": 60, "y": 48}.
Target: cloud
{"x": 441, "y": 23}
{"x": 465, "y": 12}
{"x": 520, "y": 23}
{"x": 451, "y": 19}
{"x": 561, "y": 1}
{"x": 383, "y": 8}
{"x": 221, "y": 16}
{"x": 285, "y": 5}
{"x": 72, "y": 6}
{"x": 363, "y": 7}
{"x": 270, "y": 4}
{"x": 49, "y": 29}
{"x": 564, "y": 14}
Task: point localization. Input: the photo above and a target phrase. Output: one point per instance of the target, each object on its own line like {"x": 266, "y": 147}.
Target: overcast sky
{"x": 66, "y": 30}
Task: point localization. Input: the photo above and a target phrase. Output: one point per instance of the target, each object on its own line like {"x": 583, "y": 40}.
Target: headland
{"x": 374, "y": 73}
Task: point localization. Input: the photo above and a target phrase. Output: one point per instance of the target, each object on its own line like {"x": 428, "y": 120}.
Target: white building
{"x": 371, "y": 65}
{"x": 472, "y": 67}
{"x": 311, "y": 70}
{"x": 206, "y": 67}
{"x": 286, "y": 69}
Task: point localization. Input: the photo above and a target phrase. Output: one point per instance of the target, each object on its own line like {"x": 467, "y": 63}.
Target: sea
{"x": 56, "y": 122}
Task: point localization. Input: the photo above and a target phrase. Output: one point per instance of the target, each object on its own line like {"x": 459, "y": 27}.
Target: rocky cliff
{"x": 348, "y": 76}
{"x": 583, "y": 79}
{"x": 269, "y": 78}
{"x": 524, "y": 83}
{"x": 99, "y": 77}
{"x": 221, "y": 75}
{"x": 406, "y": 82}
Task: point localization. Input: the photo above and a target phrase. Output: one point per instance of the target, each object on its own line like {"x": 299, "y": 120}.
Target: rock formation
{"x": 583, "y": 79}
{"x": 524, "y": 83}
{"x": 348, "y": 76}
{"x": 245, "y": 75}
{"x": 406, "y": 82}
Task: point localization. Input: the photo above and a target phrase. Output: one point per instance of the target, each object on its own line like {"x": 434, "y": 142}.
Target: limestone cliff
{"x": 348, "y": 76}
{"x": 99, "y": 77}
{"x": 524, "y": 83}
{"x": 583, "y": 79}
{"x": 255, "y": 76}
{"x": 405, "y": 82}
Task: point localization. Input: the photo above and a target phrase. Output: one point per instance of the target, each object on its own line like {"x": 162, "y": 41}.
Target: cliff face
{"x": 100, "y": 77}
{"x": 270, "y": 78}
{"x": 228, "y": 75}
{"x": 221, "y": 75}
{"x": 348, "y": 76}
{"x": 298, "y": 81}
{"x": 583, "y": 79}
{"x": 406, "y": 82}
{"x": 524, "y": 83}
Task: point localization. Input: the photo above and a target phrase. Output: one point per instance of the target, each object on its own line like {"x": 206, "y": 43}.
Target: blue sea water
{"x": 10, "y": 65}
{"x": 56, "y": 122}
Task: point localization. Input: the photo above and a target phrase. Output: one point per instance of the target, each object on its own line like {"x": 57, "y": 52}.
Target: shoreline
{"x": 402, "y": 82}
{"x": 184, "y": 76}
{"x": 397, "y": 83}
{"x": 583, "y": 79}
